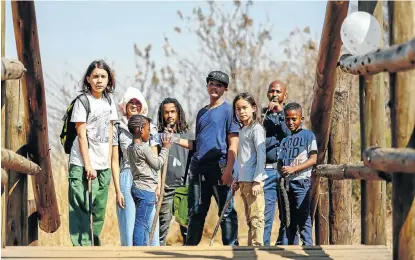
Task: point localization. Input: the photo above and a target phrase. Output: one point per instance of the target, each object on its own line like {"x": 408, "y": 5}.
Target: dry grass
{"x": 110, "y": 234}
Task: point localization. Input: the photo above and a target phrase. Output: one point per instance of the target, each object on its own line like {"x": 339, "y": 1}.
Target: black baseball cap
{"x": 218, "y": 76}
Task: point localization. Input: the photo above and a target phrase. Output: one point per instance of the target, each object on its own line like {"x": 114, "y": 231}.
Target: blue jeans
{"x": 144, "y": 203}
{"x": 126, "y": 216}
{"x": 271, "y": 198}
{"x": 203, "y": 183}
{"x": 299, "y": 197}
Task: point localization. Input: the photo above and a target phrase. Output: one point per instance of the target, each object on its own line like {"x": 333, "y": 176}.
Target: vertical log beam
{"x": 372, "y": 132}
{"x": 325, "y": 83}
{"x": 339, "y": 152}
{"x": 3, "y": 127}
{"x": 27, "y": 43}
{"x": 402, "y": 87}
{"x": 33, "y": 223}
{"x": 322, "y": 217}
{"x": 17, "y": 228}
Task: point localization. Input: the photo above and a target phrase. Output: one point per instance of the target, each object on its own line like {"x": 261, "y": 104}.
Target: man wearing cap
{"x": 210, "y": 171}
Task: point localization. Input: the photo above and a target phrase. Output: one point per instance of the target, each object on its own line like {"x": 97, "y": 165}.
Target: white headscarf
{"x": 131, "y": 93}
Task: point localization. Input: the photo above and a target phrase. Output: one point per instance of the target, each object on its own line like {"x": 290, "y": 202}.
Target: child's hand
{"x": 165, "y": 139}
{"x": 235, "y": 185}
{"x": 119, "y": 198}
{"x": 90, "y": 173}
{"x": 287, "y": 170}
{"x": 256, "y": 188}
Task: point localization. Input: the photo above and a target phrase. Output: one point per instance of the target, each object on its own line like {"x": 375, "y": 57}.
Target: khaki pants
{"x": 254, "y": 212}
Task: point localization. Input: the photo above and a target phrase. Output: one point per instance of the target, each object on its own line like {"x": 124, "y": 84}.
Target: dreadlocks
{"x": 181, "y": 123}
{"x": 137, "y": 121}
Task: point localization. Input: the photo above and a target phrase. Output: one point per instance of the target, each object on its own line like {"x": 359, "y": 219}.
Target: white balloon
{"x": 361, "y": 33}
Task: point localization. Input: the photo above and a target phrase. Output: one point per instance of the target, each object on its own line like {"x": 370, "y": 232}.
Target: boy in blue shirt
{"x": 210, "y": 171}
{"x": 296, "y": 159}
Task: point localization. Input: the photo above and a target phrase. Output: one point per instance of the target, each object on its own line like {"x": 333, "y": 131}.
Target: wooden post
{"x": 324, "y": 84}
{"x": 322, "y": 216}
{"x": 372, "y": 132}
{"x": 402, "y": 87}
{"x": 25, "y": 30}
{"x": 340, "y": 192}
{"x": 17, "y": 185}
{"x": 4, "y": 195}
{"x": 33, "y": 223}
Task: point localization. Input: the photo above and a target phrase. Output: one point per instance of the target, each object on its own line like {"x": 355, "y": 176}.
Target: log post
{"x": 372, "y": 132}
{"x": 15, "y": 162}
{"x": 402, "y": 87}
{"x": 33, "y": 223}
{"x": 322, "y": 216}
{"x": 340, "y": 192}
{"x": 26, "y": 33}
{"x": 390, "y": 159}
{"x": 324, "y": 84}
{"x": 17, "y": 185}
{"x": 4, "y": 195}
{"x": 399, "y": 57}
{"x": 11, "y": 69}
{"x": 350, "y": 171}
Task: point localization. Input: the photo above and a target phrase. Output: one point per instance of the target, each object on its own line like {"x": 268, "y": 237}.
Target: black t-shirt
{"x": 177, "y": 162}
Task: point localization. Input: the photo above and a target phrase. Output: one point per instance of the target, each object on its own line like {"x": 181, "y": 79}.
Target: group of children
{"x": 233, "y": 148}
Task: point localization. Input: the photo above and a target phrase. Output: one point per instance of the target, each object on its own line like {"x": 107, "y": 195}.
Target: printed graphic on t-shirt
{"x": 176, "y": 161}
{"x": 295, "y": 150}
{"x": 98, "y": 128}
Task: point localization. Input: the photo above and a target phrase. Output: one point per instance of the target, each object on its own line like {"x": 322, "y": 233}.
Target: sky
{"x": 74, "y": 33}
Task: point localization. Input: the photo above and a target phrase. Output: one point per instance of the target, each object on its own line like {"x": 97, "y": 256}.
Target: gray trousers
{"x": 166, "y": 214}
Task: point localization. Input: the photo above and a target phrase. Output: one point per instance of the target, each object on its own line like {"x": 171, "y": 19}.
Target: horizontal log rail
{"x": 390, "y": 159}
{"x": 11, "y": 69}
{"x": 351, "y": 171}
{"x": 18, "y": 163}
{"x": 399, "y": 57}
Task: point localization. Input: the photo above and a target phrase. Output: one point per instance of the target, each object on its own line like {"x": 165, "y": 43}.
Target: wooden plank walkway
{"x": 353, "y": 252}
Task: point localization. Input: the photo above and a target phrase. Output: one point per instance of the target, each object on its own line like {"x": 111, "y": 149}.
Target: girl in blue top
{"x": 251, "y": 161}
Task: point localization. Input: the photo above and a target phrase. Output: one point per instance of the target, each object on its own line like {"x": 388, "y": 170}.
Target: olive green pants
{"x": 79, "y": 220}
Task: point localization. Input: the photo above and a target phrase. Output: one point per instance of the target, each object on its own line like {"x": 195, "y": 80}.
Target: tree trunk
{"x": 402, "y": 28}
{"x": 340, "y": 192}
{"x": 372, "y": 129}
{"x": 325, "y": 83}
{"x": 27, "y": 45}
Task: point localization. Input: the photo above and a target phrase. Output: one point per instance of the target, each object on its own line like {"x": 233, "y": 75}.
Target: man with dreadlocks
{"x": 172, "y": 118}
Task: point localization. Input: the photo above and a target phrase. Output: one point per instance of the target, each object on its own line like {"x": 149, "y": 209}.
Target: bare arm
{"x": 188, "y": 144}
{"x": 154, "y": 148}
{"x": 115, "y": 167}
{"x": 310, "y": 162}
{"x": 233, "y": 140}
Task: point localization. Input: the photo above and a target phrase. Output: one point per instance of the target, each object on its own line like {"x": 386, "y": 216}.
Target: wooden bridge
{"x": 24, "y": 139}
{"x": 325, "y": 252}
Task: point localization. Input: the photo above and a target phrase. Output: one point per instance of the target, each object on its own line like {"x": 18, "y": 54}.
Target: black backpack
{"x": 68, "y": 133}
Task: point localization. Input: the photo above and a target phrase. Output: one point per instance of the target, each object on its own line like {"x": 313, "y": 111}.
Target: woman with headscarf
{"x": 133, "y": 103}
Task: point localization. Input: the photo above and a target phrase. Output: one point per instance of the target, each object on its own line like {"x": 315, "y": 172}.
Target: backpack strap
{"x": 117, "y": 128}
{"x": 85, "y": 102}
{"x": 189, "y": 159}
